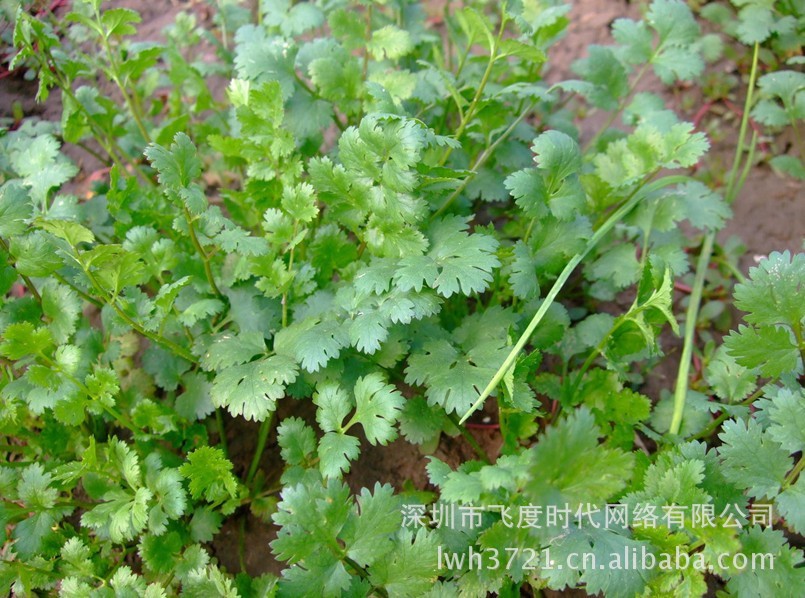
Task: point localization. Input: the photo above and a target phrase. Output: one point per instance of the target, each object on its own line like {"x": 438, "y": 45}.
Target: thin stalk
{"x": 262, "y": 437}
{"x": 620, "y": 108}
{"x": 469, "y": 438}
{"x": 219, "y": 423}
{"x": 598, "y": 350}
{"x": 599, "y": 234}
{"x": 368, "y": 35}
{"x": 161, "y": 340}
{"x": 86, "y": 297}
{"x": 739, "y": 148}
{"x": 365, "y": 575}
{"x": 691, "y": 316}
{"x": 200, "y": 250}
{"x": 734, "y": 185}
{"x": 713, "y": 425}
{"x": 485, "y": 155}
{"x": 470, "y": 113}
{"x": 132, "y": 105}
{"x": 794, "y": 473}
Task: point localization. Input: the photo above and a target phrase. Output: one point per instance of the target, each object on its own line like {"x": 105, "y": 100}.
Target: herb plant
{"x": 383, "y": 225}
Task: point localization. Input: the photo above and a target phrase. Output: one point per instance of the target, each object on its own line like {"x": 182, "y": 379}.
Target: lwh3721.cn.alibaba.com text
{"x": 630, "y": 558}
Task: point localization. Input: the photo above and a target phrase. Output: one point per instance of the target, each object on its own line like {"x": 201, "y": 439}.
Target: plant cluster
{"x": 394, "y": 219}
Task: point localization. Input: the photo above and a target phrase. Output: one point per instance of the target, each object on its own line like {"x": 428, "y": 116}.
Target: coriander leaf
{"x": 457, "y": 261}
{"x": 178, "y": 168}
{"x": 390, "y": 42}
{"x": 210, "y": 475}
{"x": 296, "y": 440}
{"x": 751, "y": 459}
{"x": 773, "y": 293}
{"x": 378, "y": 406}
{"x": 252, "y": 389}
{"x": 768, "y": 348}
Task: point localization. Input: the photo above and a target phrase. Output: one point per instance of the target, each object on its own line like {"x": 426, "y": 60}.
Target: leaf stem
{"x": 691, "y": 317}
{"x": 200, "y": 250}
{"x": 262, "y": 437}
{"x": 794, "y": 473}
{"x": 470, "y": 113}
{"x": 219, "y": 423}
{"x": 469, "y": 438}
{"x": 635, "y": 197}
{"x": 734, "y": 185}
{"x": 485, "y": 155}
{"x": 713, "y": 425}
{"x": 159, "y": 339}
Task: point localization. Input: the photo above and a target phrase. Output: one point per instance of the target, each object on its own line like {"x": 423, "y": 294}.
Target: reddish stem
{"x": 482, "y": 426}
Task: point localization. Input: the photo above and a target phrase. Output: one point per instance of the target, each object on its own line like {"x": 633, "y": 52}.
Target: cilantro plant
{"x": 386, "y": 221}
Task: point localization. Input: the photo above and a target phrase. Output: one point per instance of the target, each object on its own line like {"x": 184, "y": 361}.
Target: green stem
{"x": 131, "y": 104}
{"x": 161, "y": 340}
{"x": 365, "y": 575}
{"x": 734, "y": 185}
{"x": 467, "y": 117}
{"x": 200, "y": 250}
{"x": 86, "y": 297}
{"x": 598, "y": 350}
{"x": 794, "y": 473}
{"x": 732, "y": 191}
{"x": 607, "y": 226}
{"x": 691, "y": 316}
{"x": 619, "y": 109}
{"x": 219, "y": 422}
{"x": 469, "y": 438}
{"x": 485, "y": 155}
{"x": 368, "y": 36}
{"x": 262, "y": 437}
{"x": 723, "y": 416}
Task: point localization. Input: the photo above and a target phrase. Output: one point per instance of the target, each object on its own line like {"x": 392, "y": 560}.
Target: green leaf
{"x": 790, "y": 504}
{"x": 23, "y": 339}
{"x": 786, "y": 414}
{"x": 729, "y": 381}
{"x": 310, "y": 342}
{"x": 15, "y": 209}
{"x": 378, "y": 407}
{"x": 457, "y": 261}
{"x": 787, "y": 574}
{"x": 648, "y": 148}
{"x": 751, "y": 459}
{"x": 210, "y": 475}
{"x": 118, "y": 22}
{"x": 252, "y": 389}
{"x": 767, "y": 348}
{"x": 772, "y": 295}
{"x": 606, "y": 78}
{"x": 178, "y": 168}
{"x": 389, "y": 42}
{"x": 300, "y": 202}
{"x": 296, "y": 440}
{"x": 569, "y": 460}
{"x": 227, "y": 350}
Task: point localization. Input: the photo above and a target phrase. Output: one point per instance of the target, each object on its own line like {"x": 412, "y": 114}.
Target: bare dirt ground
{"x": 769, "y": 215}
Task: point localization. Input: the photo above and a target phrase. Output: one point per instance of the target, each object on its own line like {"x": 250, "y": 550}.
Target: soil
{"x": 769, "y": 215}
